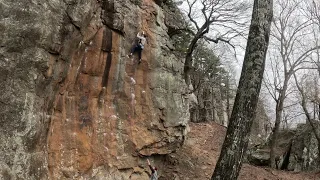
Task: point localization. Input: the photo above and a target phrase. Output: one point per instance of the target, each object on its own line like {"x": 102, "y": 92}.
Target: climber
{"x": 138, "y": 47}
{"x": 154, "y": 174}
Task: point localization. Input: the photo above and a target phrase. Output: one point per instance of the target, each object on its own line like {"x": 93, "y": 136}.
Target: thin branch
{"x": 189, "y": 13}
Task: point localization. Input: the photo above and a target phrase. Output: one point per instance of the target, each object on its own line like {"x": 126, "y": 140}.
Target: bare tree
{"x": 206, "y": 79}
{"x": 289, "y": 32}
{"x": 224, "y": 19}
{"x": 312, "y": 12}
{"x": 243, "y": 113}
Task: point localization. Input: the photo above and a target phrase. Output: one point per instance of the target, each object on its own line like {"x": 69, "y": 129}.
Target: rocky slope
{"x": 72, "y": 105}
{"x": 197, "y": 158}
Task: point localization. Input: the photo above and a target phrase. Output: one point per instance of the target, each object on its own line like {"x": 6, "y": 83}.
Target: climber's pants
{"x": 137, "y": 49}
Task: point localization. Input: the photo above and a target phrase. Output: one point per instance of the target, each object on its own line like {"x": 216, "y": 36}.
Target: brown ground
{"x": 197, "y": 158}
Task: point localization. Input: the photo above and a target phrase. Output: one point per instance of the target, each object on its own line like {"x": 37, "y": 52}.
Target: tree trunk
{"x": 228, "y": 98}
{"x": 275, "y": 130}
{"x": 243, "y": 113}
{"x": 319, "y": 153}
{"x": 274, "y": 136}
{"x": 319, "y": 116}
{"x": 188, "y": 59}
{"x": 187, "y": 68}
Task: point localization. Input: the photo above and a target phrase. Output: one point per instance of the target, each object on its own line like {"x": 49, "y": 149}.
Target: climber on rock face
{"x": 138, "y": 47}
{"x": 154, "y": 173}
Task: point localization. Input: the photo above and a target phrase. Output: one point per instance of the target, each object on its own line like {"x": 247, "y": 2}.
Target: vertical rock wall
{"x": 72, "y": 105}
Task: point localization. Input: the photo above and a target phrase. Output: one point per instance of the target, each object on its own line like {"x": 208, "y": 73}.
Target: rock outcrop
{"x": 304, "y": 154}
{"x": 297, "y": 150}
{"x": 72, "y": 105}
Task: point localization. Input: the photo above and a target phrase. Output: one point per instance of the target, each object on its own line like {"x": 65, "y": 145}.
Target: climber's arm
{"x": 151, "y": 168}
{"x": 139, "y": 36}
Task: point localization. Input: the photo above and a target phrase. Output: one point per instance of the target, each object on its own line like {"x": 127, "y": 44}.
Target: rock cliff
{"x": 297, "y": 150}
{"x": 303, "y": 155}
{"x": 73, "y": 106}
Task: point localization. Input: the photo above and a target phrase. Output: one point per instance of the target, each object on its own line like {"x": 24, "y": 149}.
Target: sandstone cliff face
{"x": 72, "y": 105}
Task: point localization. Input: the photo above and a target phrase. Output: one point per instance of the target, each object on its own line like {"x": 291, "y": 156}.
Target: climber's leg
{"x": 139, "y": 55}
{"x": 133, "y": 50}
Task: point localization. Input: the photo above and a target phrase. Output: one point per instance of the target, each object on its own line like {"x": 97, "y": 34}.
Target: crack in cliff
{"x": 286, "y": 158}
{"x": 7, "y": 104}
{"x": 152, "y": 145}
{"x": 107, "y": 47}
{"x": 73, "y": 23}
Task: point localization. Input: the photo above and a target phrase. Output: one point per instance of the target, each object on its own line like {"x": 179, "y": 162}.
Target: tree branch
{"x": 217, "y": 40}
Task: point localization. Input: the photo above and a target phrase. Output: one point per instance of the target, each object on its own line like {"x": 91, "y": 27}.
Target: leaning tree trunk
{"x": 187, "y": 68}
{"x": 243, "y": 113}
{"x": 188, "y": 59}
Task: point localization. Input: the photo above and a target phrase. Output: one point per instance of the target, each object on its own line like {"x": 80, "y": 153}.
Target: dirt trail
{"x": 197, "y": 158}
